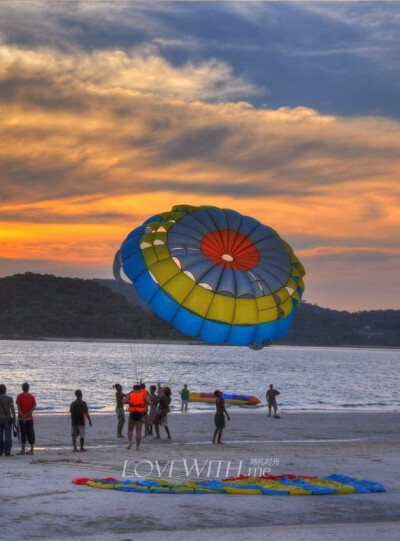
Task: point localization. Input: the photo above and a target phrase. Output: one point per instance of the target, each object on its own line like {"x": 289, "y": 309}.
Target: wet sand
{"x": 41, "y": 502}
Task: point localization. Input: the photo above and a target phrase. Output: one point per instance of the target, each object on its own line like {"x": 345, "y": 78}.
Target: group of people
{"x": 148, "y": 410}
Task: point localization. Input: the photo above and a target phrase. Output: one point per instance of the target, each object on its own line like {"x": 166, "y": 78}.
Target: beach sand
{"x": 39, "y": 500}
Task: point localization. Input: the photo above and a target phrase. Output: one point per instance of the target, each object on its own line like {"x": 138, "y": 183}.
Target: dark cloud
{"x": 340, "y": 58}
{"x": 58, "y": 216}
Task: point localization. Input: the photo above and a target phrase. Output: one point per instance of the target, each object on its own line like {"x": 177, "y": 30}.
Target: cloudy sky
{"x": 286, "y": 111}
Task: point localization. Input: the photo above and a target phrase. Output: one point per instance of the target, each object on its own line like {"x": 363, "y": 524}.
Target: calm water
{"x": 308, "y": 378}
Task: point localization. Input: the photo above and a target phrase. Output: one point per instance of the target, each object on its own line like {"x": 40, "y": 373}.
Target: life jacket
{"x": 136, "y": 402}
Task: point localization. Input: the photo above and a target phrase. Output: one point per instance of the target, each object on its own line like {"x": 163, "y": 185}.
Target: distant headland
{"x": 45, "y": 306}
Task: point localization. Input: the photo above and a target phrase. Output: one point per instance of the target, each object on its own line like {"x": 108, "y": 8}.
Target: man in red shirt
{"x": 26, "y": 404}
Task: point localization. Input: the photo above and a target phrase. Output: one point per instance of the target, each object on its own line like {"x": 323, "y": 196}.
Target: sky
{"x": 289, "y": 112}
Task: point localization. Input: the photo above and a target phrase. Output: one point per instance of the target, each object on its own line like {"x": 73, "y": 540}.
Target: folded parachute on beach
{"x": 275, "y": 485}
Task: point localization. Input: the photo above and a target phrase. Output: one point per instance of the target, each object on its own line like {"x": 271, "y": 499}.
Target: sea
{"x": 308, "y": 378}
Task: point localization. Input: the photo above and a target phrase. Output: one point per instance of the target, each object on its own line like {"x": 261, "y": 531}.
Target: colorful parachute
{"x": 267, "y": 485}
{"x": 214, "y": 274}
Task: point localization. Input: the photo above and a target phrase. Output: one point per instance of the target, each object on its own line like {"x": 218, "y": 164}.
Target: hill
{"x": 39, "y": 306}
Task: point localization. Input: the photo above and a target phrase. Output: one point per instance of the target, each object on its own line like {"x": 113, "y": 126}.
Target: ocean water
{"x": 309, "y": 378}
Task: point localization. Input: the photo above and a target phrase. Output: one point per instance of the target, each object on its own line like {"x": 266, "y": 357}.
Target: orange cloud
{"x": 92, "y": 144}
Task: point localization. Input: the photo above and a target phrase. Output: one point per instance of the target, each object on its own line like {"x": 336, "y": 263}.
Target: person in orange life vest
{"x": 137, "y": 404}
{"x": 26, "y": 404}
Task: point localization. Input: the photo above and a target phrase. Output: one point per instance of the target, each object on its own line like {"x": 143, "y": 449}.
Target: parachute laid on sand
{"x": 214, "y": 274}
{"x": 272, "y": 485}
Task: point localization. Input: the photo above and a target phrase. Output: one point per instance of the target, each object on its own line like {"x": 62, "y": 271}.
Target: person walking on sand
{"x": 161, "y": 419}
{"x": 26, "y": 404}
{"x": 185, "y": 394}
{"x": 119, "y": 409}
{"x": 271, "y": 400}
{"x": 219, "y": 418}
{"x": 79, "y": 413}
{"x": 7, "y": 419}
{"x": 137, "y": 405}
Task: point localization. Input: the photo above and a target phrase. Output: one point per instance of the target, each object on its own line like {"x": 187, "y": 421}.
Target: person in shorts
{"x": 185, "y": 394}
{"x": 137, "y": 405}
{"x": 152, "y": 397}
{"x": 79, "y": 413}
{"x": 26, "y": 403}
{"x": 219, "y": 418}
{"x": 119, "y": 409}
{"x": 7, "y": 419}
{"x": 271, "y": 400}
{"x": 161, "y": 419}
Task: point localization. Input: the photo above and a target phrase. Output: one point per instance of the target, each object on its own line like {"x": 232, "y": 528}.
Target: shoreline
{"x": 259, "y": 410}
{"x": 181, "y": 342}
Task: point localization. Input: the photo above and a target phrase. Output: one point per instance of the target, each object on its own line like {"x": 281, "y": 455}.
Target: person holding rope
{"x": 137, "y": 404}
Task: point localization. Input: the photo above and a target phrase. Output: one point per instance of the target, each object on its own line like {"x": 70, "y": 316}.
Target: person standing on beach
{"x": 145, "y": 394}
{"x": 219, "y": 418}
{"x": 26, "y": 404}
{"x": 161, "y": 419}
{"x": 7, "y": 419}
{"x": 79, "y": 413}
{"x": 185, "y": 394}
{"x": 119, "y": 409}
{"x": 152, "y": 410}
{"x": 137, "y": 405}
{"x": 271, "y": 400}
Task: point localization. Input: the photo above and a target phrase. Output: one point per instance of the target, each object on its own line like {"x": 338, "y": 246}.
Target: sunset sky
{"x": 286, "y": 111}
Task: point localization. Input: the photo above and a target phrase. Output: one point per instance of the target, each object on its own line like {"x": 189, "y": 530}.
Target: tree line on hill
{"x": 45, "y": 306}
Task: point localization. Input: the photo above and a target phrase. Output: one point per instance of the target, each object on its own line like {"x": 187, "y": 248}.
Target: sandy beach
{"x": 40, "y": 501}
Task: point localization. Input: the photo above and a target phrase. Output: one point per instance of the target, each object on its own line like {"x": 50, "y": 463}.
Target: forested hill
{"x": 40, "y": 306}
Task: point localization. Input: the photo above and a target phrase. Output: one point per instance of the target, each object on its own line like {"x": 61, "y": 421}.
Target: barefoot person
{"x": 185, "y": 394}
{"x": 79, "y": 413}
{"x": 219, "y": 418}
{"x": 26, "y": 404}
{"x": 161, "y": 419}
{"x": 152, "y": 410}
{"x": 271, "y": 400}
{"x": 7, "y": 419}
{"x": 119, "y": 409}
{"x": 137, "y": 405}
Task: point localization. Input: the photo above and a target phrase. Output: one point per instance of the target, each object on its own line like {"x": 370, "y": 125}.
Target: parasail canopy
{"x": 214, "y": 274}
